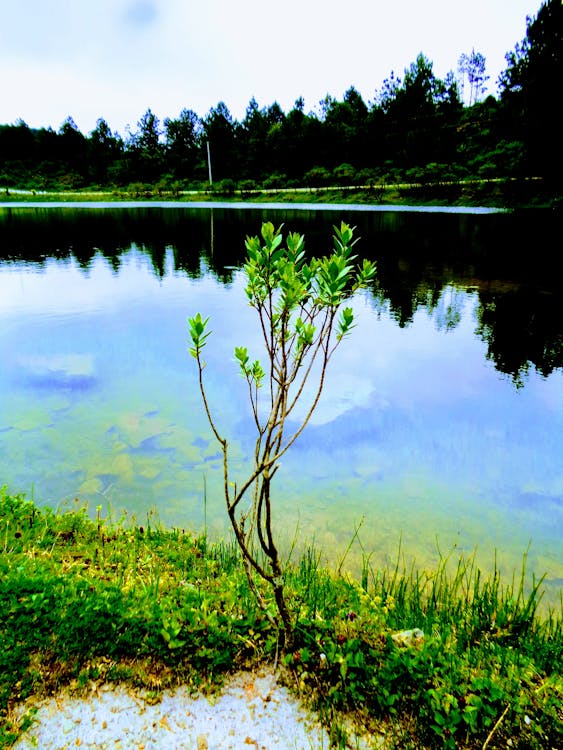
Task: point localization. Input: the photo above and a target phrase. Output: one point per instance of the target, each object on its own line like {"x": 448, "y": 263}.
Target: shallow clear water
{"x": 418, "y": 437}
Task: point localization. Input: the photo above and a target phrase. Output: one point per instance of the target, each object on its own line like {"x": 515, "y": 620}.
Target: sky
{"x": 117, "y": 58}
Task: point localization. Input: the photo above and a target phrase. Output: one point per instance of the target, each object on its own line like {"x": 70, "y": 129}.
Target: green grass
{"x": 90, "y": 598}
{"x": 507, "y": 193}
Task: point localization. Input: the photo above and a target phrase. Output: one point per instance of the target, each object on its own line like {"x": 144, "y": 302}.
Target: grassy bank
{"x": 431, "y": 660}
{"x": 499, "y": 193}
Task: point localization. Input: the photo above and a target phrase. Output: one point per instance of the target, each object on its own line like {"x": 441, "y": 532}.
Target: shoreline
{"x": 503, "y": 194}
{"x": 111, "y": 630}
{"x": 249, "y": 205}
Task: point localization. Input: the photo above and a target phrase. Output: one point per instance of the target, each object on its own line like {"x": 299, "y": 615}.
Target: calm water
{"x": 442, "y": 419}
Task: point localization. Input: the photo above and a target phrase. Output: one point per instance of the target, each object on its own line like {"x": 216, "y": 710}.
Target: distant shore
{"x": 493, "y": 193}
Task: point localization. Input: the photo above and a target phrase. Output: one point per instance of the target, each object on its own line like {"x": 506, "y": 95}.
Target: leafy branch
{"x": 299, "y": 304}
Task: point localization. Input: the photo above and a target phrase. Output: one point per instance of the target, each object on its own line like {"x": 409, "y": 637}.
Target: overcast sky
{"x": 116, "y": 58}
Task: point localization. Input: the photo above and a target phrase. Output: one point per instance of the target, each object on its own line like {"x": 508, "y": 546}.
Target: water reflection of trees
{"x": 425, "y": 261}
{"x": 522, "y": 327}
{"x": 34, "y": 236}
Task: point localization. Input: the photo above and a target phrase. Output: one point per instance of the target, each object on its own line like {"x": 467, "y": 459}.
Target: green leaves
{"x": 257, "y": 373}
{"x": 254, "y": 372}
{"x": 197, "y": 326}
{"x": 343, "y": 238}
{"x": 345, "y": 323}
{"x": 292, "y": 288}
{"x": 241, "y": 355}
{"x": 294, "y": 298}
{"x": 334, "y": 279}
{"x": 305, "y": 334}
{"x": 275, "y": 271}
{"x": 262, "y": 264}
{"x": 365, "y": 274}
{"x": 295, "y": 248}
{"x": 297, "y": 300}
{"x": 271, "y": 236}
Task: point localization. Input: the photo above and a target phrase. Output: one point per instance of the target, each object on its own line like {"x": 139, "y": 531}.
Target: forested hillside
{"x": 418, "y": 128}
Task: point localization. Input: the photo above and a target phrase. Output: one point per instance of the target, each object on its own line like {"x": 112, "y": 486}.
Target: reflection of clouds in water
{"x": 59, "y": 371}
{"x": 349, "y": 382}
{"x": 71, "y": 365}
{"x": 348, "y": 393}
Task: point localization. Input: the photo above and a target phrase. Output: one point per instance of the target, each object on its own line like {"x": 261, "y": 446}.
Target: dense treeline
{"x": 416, "y": 129}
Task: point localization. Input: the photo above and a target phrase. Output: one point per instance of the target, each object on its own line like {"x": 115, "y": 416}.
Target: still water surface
{"x": 440, "y": 425}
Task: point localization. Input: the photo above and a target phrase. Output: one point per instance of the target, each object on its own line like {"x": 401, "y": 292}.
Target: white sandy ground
{"x": 253, "y": 712}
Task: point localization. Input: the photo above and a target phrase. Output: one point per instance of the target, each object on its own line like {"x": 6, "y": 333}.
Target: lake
{"x": 440, "y": 427}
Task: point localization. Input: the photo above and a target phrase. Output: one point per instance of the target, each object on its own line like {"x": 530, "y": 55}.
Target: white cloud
{"x": 116, "y": 58}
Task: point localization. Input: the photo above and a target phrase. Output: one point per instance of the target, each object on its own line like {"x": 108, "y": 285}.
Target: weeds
{"x": 444, "y": 659}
